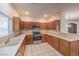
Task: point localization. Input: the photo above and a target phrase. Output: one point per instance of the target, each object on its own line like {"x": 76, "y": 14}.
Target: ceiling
{"x": 39, "y": 9}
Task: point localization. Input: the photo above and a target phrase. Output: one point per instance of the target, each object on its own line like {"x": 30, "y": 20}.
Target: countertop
{"x": 64, "y": 36}
{"x": 12, "y": 50}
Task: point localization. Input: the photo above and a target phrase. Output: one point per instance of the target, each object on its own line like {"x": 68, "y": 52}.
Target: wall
{"x": 52, "y": 17}
{"x": 70, "y": 15}
{"x": 8, "y": 10}
{"x": 31, "y": 19}
{"x": 55, "y": 16}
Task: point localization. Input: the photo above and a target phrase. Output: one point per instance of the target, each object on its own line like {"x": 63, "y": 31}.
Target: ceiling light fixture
{"x": 45, "y": 15}
{"x": 27, "y": 13}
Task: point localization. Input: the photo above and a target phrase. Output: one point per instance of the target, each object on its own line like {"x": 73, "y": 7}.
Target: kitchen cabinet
{"x": 21, "y": 25}
{"x": 21, "y": 49}
{"x": 16, "y": 24}
{"x": 43, "y": 26}
{"x": 56, "y": 43}
{"x": 74, "y": 48}
{"x": 43, "y": 37}
{"x": 54, "y": 25}
{"x": 64, "y": 47}
{"x": 47, "y": 38}
{"x": 27, "y": 25}
{"x": 51, "y": 40}
{"x": 29, "y": 39}
{"x": 69, "y": 48}
{"x": 50, "y": 25}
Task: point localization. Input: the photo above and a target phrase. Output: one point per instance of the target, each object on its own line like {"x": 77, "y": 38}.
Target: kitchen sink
{"x": 10, "y": 42}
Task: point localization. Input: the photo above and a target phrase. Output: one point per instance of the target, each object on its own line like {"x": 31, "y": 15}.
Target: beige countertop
{"x": 65, "y": 36}
{"x": 12, "y": 50}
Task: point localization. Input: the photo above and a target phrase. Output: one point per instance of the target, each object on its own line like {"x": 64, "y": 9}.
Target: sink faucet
{"x": 7, "y": 41}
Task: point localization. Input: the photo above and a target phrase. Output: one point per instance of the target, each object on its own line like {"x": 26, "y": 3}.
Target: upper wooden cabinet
{"x": 16, "y": 24}
{"x": 43, "y": 25}
{"x": 27, "y": 25}
{"x": 21, "y": 25}
{"x": 54, "y": 25}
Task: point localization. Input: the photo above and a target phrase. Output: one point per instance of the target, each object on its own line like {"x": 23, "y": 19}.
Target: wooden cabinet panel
{"x": 64, "y": 47}
{"x": 27, "y": 25}
{"x": 21, "y": 25}
{"x": 21, "y": 49}
{"x": 43, "y": 25}
{"x": 54, "y": 25}
{"x": 16, "y": 24}
{"x": 43, "y": 38}
{"x": 74, "y": 48}
{"x": 29, "y": 39}
{"x": 47, "y": 39}
{"x": 56, "y": 43}
{"x": 51, "y": 41}
{"x": 50, "y": 25}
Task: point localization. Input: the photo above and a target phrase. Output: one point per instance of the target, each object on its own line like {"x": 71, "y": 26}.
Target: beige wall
{"x": 56, "y": 16}
{"x": 8, "y": 10}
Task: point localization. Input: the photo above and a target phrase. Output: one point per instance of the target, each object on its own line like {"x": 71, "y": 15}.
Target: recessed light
{"x": 27, "y": 13}
{"x": 45, "y": 15}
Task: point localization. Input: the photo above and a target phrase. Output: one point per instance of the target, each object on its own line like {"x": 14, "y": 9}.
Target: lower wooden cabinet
{"x": 29, "y": 39}
{"x": 43, "y": 37}
{"x": 64, "y": 47}
{"x": 74, "y": 48}
{"x": 69, "y": 48}
{"x": 50, "y": 40}
{"x": 21, "y": 49}
{"x": 56, "y": 43}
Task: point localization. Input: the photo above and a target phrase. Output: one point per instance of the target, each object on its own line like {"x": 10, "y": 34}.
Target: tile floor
{"x": 43, "y": 49}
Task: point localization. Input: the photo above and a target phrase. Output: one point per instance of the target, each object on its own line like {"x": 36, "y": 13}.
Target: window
{"x": 5, "y": 25}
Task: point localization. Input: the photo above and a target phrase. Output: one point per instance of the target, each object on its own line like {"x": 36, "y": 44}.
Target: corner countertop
{"x": 12, "y": 50}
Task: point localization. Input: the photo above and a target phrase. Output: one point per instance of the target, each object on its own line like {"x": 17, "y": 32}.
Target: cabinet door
{"x": 29, "y": 39}
{"x": 47, "y": 39}
{"x": 51, "y": 41}
{"x": 16, "y": 23}
{"x": 64, "y": 47}
{"x": 21, "y": 49}
{"x": 74, "y": 48}
{"x": 21, "y": 25}
{"x": 56, "y": 43}
{"x": 43, "y": 25}
{"x": 43, "y": 38}
{"x": 27, "y": 25}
